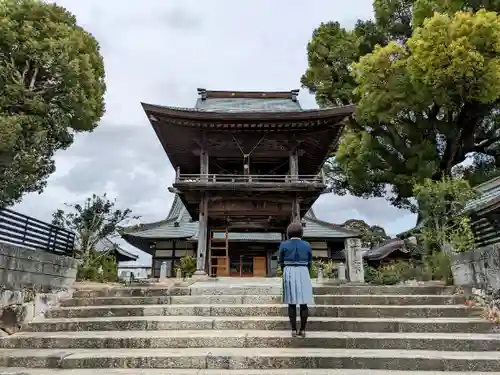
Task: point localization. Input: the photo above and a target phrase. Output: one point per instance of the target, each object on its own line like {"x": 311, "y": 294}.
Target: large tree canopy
{"x": 371, "y": 236}
{"x": 427, "y": 89}
{"x": 52, "y": 80}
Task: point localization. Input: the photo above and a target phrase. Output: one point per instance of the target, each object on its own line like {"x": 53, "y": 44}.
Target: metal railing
{"x": 19, "y": 229}
{"x": 245, "y": 179}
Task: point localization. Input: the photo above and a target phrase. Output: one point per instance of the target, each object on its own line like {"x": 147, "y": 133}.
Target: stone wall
{"x": 31, "y": 282}
{"x": 478, "y": 268}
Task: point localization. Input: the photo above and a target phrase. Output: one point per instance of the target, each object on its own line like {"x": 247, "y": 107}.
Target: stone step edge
{"x": 415, "y": 296}
{"x": 196, "y": 334}
{"x": 139, "y": 371}
{"x": 250, "y": 352}
{"x": 250, "y": 305}
{"x": 472, "y": 319}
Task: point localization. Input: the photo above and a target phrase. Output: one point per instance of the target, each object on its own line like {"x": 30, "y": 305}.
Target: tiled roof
{"x": 180, "y": 225}
{"x": 247, "y": 105}
{"x": 488, "y": 194}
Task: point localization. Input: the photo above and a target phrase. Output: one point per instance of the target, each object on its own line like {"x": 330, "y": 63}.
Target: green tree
{"x": 427, "y": 97}
{"x": 52, "y": 80}
{"x": 371, "y": 236}
{"x": 94, "y": 221}
{"x": 445, "y": 222}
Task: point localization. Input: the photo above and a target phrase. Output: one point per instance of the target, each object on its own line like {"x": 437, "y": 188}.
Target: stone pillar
{"x": 201, "y": 252}
{"x": 341, "y": 272}
{"x": 354, "y": 259}
{"x": 163, "y": 271}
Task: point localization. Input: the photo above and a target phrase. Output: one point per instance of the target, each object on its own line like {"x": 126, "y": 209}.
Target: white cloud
{"x": 159, "y": 52}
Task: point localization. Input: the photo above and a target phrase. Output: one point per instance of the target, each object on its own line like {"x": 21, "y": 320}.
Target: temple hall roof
{"x": 238, "y": 101}
{"x": 273, "y": 120}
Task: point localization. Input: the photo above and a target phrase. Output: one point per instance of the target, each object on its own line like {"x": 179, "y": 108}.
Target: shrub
{"x": 279, "y": 271}
{"x": 330, "y": 269}
{"x": 99, "y": 267}
{"x": 313, "y": 271}
{"x": 397, "y": 271}
{"x": 188, "y": 266}
{"x": 439, "y": 264}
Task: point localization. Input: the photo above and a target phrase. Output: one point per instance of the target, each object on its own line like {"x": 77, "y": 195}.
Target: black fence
{"x": 19, "y": 229}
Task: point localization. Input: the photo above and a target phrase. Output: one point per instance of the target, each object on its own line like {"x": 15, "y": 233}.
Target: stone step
{"x": 364, "y": 311}
{"x": 150, "y": 323}
{"x": 149, "y": 371}
{"x": 269, "y": 299}
{"x": 274, "y": 289}
{"x": 252, "y": 358}
{"x": 251, "y": 339}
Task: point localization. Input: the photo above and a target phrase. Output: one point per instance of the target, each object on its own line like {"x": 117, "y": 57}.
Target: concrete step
{"x": 270, "y": 299}
{"x": 328, "y": 299}
{"x": 273, "y": 289}
{"x": 150, "y": 323}
{"x": 252, "y": 339}
{"x": 252, "y": 358}
{"x": 325, "y": 290}
{"x": 149, "y": 371}
{"x": 365, "y": 311}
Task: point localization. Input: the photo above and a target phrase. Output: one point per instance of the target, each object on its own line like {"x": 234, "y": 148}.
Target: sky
{"x": 160, "y": 52}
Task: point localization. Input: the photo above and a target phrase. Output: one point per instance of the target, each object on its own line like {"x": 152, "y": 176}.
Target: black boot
{"x": 304, "y": 314}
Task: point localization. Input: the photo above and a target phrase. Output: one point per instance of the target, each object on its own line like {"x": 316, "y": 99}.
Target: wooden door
{"x": 259, "y": 267}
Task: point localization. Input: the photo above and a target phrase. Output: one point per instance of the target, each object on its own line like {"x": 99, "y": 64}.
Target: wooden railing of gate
{"x": 245, "y": 179}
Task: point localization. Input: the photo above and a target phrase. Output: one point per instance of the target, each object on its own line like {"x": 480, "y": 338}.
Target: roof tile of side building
{"x": 180, "y": 225}
{"x": 488, "y": 194}
{"x": 106, "y": 244}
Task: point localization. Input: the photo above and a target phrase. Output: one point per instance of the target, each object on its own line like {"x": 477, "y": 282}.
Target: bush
{"x": 313, "y": 271}
{"x": 330, "y": 269}
{"x": 439, "y": 264}
{"x": 98, "y": 267}
{"x": 188, "y": 266}
{"x": 279, "y": 271}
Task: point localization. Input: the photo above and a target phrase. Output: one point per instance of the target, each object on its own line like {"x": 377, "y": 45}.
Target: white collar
{"x": 295, "y": 238}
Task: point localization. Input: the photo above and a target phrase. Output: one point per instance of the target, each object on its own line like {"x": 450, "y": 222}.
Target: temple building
{"x": 247, "y": 164}
{"x": 177, "y": 236}
{"x": 484, "y": 213}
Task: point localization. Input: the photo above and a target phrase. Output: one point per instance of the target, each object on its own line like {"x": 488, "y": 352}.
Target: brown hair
{"x": 295, "y": 230}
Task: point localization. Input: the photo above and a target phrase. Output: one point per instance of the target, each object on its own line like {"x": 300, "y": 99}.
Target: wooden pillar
{"x": 204, "y": 165}
{"x": 177, "y": 174}
{"x": 294, "y": 164}
{"x": 201, "y": 252}
{"x": 295, "y": 209}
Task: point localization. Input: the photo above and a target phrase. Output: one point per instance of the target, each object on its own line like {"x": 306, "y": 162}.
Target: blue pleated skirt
{"x": 297, "y": 286}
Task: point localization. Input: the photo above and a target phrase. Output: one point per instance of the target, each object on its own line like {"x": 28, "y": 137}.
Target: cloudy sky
{"x": 159, "y": 52}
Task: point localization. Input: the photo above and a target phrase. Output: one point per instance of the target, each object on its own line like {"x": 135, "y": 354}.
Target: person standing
{"x": 295, "y": 259}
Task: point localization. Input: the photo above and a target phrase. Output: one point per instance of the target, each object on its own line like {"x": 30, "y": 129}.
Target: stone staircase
{"x": 218, "y": 328}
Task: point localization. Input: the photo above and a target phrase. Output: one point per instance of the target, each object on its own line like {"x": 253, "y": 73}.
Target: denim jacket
{"x": 295, "y": 252}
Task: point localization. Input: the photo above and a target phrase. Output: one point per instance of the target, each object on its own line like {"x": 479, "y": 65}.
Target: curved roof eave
{"x": 196, "y": 114}
{"x": 349, "y": 233}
